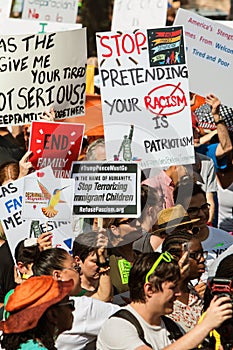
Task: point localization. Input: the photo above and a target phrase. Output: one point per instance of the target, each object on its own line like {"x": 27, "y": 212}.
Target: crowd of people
{"x": 163, "y": 280}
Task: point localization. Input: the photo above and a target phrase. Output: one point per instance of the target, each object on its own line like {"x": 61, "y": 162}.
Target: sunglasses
{"x": 75, "y": 268}
{"x": 69, "y": 303}
{"x": 131, "y": 222}
{"x": 198, "y": 255}
{"x": 194, "y": 211}
{"x": 166, "y": 256}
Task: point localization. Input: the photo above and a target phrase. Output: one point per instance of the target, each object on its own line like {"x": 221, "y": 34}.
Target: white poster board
{"x": 106, "y": 189}
{"x": 46, "y": 199}
{"x": 134, "y": 14}
{"x": 40, "y": 71}
{"x": 11, "y": 196}
{"x": 52, "y": 11}
{"x": 17, "y": 26}
{"x": 209, "y": 55}
{"x": 145, "y": 96}
{"x": 5, "y": 8}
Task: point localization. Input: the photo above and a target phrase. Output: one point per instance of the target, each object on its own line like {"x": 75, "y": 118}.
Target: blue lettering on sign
{"x": 14, "y": 204}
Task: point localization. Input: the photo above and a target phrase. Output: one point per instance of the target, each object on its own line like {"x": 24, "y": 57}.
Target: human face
{"x": 100, "y": 153}
{"x": 198, "y": 201}
{"x": 68, "y": 272}
{"x": 89, "y": 268}
{"x": 196, "y": 266}
{"x": 127, "y": 230}
{"x": 165, "y": 298}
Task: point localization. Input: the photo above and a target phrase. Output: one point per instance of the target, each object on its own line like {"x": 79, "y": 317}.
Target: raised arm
{"x": 225, "y": 145}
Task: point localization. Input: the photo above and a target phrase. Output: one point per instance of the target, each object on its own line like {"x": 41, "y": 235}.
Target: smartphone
{"x": 186, "y": 248}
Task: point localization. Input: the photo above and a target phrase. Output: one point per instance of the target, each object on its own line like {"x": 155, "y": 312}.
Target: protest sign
{"x": 53, "y": 11}
{"x": 5, "y": 8}
{"x": 145, "y": 96}
{"x": 17, "y": 26}
{"x": 48, "y": 199}
{"x": 40, "y": 71}
{"x": 209, "y": 55}
{"x": 106, "y": 189}
{"x": 134, "y": 14}
{"x": 55, "y": 144}
{"x": 61, "y": 231}
{"x": 11, "y": 196}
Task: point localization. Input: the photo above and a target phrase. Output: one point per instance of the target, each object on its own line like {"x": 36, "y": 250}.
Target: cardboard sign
{"x": 134, "y": 14}
{"x": 106, "y": 189}
{"x": 47, "y": 71}
{"x": 53, "y": 11}
{"x": 209, "y": 54}
{"x": 5, "y": 8}
{"x": 19, "y": 26}
{"x": 145, "y": 96}
{"x": 55, "y": 144}
{"x": 46, "y": 199}
{"x": 11, "y": 196}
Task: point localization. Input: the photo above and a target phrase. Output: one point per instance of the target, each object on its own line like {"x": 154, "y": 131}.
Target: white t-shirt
{"x": 89, "y": 316}
{"x": 120, "y": 334}
{"x": 217, "y": 242}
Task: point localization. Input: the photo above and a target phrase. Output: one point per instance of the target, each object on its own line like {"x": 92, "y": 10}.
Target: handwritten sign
{"x": 55, "y": 144}
{"x": 48, "y": 199}
{"x": 47, "y": 70}
{"x": 134, "y": 14}
{"x": 209, "y": 54}
{"x": 53, "y": 11}
{"x": 145, "y": 96}
{"x": 106, "y": 189}
{"x": 11, "y": 196}
{"x": 17, "y": 26}
{"x": 5, "y": 8}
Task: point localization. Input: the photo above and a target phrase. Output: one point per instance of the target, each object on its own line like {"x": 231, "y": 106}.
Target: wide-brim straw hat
{"x": 173, "y": 217}
{"x": 30, "y": 300}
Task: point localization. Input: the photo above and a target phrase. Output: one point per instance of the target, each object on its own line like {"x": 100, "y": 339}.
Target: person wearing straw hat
{"x": 169, "y": 221}
{"x": 36, "y": 312}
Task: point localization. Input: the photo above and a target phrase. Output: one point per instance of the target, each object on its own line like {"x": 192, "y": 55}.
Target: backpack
{"x": 171, "y": 326}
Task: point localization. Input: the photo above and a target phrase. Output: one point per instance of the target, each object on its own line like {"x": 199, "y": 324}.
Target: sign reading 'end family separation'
{"x": 145, "y": 96}
{"x": 39, "y": 71}
{"x": 106, "y": 189}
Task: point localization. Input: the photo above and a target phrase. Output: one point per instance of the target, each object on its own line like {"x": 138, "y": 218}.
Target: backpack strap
{"x": 172, "y": 327}
{"x": 127, "y": 315}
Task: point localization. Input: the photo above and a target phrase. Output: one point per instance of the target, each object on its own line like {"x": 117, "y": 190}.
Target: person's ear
{"x": 150, "y": 289}
{"x": 77, "y": 259}
{"x": 21, "y": 267}
{"x": 57, "y": 275}
{"x": 115, "y": 230}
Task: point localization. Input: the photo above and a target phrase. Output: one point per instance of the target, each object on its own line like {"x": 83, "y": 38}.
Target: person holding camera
{"x": 220, "y": 285}
{"x": 153, "y": 284}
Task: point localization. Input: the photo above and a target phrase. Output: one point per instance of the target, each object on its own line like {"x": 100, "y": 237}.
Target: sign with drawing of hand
{"x": 145, "y": 96}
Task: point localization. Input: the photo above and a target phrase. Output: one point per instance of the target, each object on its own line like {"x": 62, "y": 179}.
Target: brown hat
{"x": 30, "y": 300}
{"x": 173, "y": 217}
